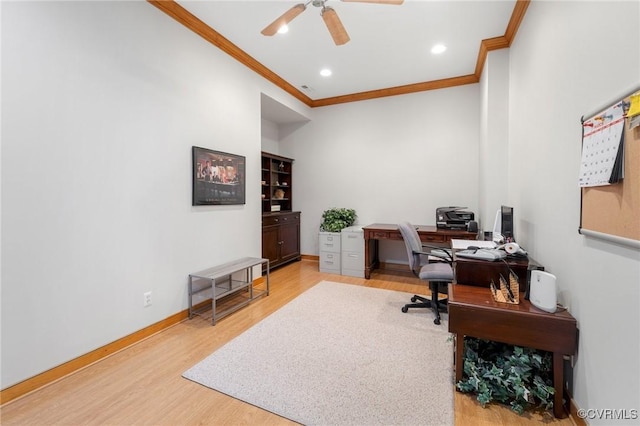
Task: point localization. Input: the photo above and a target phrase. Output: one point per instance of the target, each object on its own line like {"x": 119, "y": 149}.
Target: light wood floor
{"x": 143, "y": 385}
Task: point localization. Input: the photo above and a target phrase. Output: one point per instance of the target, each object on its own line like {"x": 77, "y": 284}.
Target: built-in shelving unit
{"x": 280, "y": 224}
{"x": 276, "y": 183}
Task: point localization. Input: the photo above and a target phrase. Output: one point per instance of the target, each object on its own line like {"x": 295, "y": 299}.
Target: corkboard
{"x": 615, "y": 209}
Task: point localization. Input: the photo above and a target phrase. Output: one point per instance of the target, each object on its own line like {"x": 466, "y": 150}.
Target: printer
{"x": 453, "y": 217}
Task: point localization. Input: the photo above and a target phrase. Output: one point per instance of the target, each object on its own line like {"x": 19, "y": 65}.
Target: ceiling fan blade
{"x": 335, "y": 27}
{"x": 398, "y": 2}
{"x": 286, "y": 17}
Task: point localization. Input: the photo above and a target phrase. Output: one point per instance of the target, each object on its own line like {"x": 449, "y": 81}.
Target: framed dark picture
{"x": 218, "y": 178}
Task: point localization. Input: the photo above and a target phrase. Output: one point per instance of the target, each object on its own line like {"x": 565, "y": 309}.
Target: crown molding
{"x": 186, "y": 18}
{"x": 398, "y": 90}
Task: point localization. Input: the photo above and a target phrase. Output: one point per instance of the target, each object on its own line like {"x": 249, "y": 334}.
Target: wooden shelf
{"x": 281, "y": 228}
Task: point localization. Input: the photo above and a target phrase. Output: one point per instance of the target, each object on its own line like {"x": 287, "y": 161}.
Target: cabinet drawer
{"x": 352, "y": 260}
{"x": 290, "y": 218}
{"x": 433, "y": 238}
{"x": 270, "y": 220}
{"x": 352, "y": 241}
{"x": 280, "y": 219}
{"x": 330, "y": 262}
{"x": 330, "y": 242}
{"x": 379, "y": 235}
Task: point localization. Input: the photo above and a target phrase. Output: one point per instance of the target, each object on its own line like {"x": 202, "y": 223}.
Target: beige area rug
{"x": 340, "y": 354}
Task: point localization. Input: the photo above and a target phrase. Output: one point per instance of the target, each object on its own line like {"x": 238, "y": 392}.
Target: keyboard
{"x": 483, "y": 254}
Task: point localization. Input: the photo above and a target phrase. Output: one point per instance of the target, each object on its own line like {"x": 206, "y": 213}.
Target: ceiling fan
{"x": 329, "y": 16}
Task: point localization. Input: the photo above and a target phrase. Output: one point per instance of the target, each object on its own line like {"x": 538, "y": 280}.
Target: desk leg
{"x": 558, "y": 377}
{"x": 459, "y": 343}
{"x": 190, "y": 297}
{"x": 370, "y": 256}
{"x": 213, "y": 302}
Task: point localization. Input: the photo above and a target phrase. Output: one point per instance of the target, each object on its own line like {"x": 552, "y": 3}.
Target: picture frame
{"x": 218, "y": 177}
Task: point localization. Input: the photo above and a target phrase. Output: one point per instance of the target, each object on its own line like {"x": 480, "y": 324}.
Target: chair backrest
{"x": 412, "y": 243}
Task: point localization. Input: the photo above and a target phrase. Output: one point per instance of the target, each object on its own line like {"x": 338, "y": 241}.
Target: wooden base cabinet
{"x": 281, "y": 237}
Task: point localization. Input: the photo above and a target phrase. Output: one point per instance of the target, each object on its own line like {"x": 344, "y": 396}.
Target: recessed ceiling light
{"x": 438, "y": 49}
{"x": 283, "y": 29}
{"x": 325, "y": 72}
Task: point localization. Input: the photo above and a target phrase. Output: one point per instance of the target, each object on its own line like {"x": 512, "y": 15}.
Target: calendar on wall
{"x": 610, "y": 172}
{"x": 603, "y": 148}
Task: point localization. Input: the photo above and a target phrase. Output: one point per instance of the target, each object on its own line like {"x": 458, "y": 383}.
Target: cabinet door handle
{"x": 275, "y": 220}
{"x": 280, "y": 242}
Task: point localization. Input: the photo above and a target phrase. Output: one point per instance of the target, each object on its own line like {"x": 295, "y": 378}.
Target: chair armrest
{"x": 434, "y": 247}
{"x": 439, "y": 253}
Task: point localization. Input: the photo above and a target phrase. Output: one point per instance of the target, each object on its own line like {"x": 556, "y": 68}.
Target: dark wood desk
{"x": 482, "y": 272}
{"x": 473, "y": 312}
{"x": 386, "y": 231}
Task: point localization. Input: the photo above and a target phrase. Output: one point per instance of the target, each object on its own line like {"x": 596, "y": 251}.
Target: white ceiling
{"x": 390, "y": 45}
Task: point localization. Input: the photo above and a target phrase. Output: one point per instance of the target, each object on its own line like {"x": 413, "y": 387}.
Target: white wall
{"x": 567, "y": 59}
{"x": 494, "y": 141}
{"x": 101, "y": 104}
{"x": 390, "y": 159}
{"x": 270, "y": 134}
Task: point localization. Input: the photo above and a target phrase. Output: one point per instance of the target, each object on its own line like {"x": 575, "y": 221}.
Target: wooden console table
{"x": 385, "y": 231}
{"x": 222, "y": 283}
{"x": 473, "y": 312}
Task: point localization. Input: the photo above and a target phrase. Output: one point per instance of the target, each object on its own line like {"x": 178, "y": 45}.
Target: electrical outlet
{"x": 147, "y": 299}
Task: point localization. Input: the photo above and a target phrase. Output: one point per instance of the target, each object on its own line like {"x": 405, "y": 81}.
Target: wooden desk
{"x": 482, "y": 272}
{"x": 473, "y": 312}
{"x": 386, "y": 231}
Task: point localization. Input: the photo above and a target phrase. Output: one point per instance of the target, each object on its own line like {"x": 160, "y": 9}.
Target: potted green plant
{"x": 513, "y": 375}
{"x": 335, "y": 219}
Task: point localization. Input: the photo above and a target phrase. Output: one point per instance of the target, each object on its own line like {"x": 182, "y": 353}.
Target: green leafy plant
{"x": 520, "y": 377}
{"x": 335, "y": 219}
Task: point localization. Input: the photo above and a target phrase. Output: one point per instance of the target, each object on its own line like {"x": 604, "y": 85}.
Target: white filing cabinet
{"x": 330, "y": 252}
{"x": 353, "y": 251}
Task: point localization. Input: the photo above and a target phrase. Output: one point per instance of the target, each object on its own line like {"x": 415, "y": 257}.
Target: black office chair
{"x": 437, "y": 270}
